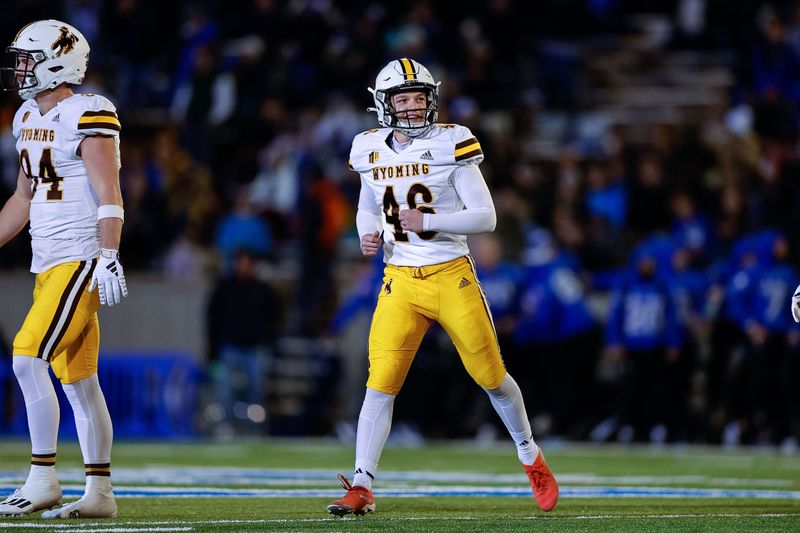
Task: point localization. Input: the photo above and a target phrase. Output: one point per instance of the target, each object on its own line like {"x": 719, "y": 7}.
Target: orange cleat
{"x": 543, "y": 482}
{"x": 357, "y": 500}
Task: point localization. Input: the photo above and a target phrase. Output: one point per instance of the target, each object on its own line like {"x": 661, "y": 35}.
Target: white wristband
{"x": 110, "y": 211}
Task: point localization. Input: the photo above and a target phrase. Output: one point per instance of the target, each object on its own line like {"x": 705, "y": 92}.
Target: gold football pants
{"x": 61, "y": 326}
{"x": 412, "y": 298}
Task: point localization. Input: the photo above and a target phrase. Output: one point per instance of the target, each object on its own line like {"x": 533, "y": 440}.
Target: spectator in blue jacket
{"x": 764, "y": 394}
{"x": 557, "y": 335}
{"x": 689, "y": 288}
{"x": 643, "y": 334}
{"x": 242, "y": 228}
{"x": 730, "y": 281}
{"x": 730, "y": 300}
{"x": 692, "y": 229}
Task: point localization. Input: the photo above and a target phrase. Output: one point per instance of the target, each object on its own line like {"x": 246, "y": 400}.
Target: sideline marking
{"x": 202, "y": 477}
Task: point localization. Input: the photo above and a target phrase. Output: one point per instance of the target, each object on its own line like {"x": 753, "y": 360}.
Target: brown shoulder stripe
{"x": 100, "y": 125}
{"x": 99, "y": 119}
{"x": 467, "y": 155}
{"x": 462, "y": 144}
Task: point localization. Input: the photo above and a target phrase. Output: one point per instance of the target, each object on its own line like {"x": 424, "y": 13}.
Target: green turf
{"x": 287, "y": 453}
{"x": 446, "y": 514}
{"x": 705, "y": 467}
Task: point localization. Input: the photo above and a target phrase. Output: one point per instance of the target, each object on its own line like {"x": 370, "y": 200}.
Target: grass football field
{"x": 284, "y": 485}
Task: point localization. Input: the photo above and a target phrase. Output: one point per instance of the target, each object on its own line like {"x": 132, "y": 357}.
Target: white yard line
{"x": 188, "y": 525}
{"x": 425, "y": 491}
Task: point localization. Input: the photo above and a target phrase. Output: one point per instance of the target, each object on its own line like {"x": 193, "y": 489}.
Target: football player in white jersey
{"x": 68, "y": 188}
{"x": 422, "y": 194}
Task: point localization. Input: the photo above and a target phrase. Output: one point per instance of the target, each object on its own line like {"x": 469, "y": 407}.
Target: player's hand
{"x": 796, "y": 304}
{"x": 109, "y": 278}
{"x": 411, "y": 220}
{"x": 371, "y": 243}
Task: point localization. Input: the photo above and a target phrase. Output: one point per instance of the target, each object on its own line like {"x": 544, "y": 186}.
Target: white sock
{"x": 507, "y": 401}
{"x": 374, "y": 423}
{"x": 93, "y": 423}
{"x": 98, "y": 485}
{"x": 41, "y": 404}
{"x": 38, "y": 474}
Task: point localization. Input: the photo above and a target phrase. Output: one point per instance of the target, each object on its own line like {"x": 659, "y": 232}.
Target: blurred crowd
{"x": 640, "y": 274}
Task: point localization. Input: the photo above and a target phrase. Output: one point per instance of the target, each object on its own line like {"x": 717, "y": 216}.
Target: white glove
{"x": 109, "y": 278}
{"x": 796, "y": 304}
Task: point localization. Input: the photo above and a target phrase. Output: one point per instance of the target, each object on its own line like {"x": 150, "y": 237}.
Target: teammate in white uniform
{"x": 68, "y": 188}
{"x": 422, "y": 194}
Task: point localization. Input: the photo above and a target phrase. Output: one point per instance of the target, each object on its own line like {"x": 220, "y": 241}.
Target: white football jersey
{"x": 419, "y": 177}
{"x": 63, "y": 215}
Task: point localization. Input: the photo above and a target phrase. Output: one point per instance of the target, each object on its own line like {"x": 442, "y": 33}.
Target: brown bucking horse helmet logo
{"x": 65, "y": 42}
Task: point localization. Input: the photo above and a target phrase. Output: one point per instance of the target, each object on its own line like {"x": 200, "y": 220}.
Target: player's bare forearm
{"x": 13, "y": 217}
{"x": 110, "y": 228}
{"x": 99, "y": 155}
{"x": 17, "y": 210}
{"x": 110, "y": 233}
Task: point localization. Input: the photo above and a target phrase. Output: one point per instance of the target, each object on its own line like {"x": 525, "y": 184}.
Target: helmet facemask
{"x": 22, "y": 76}
{"x": 402, "y": 76}
{"x": 401, "y": 120}
{"x": 63, "y": 59}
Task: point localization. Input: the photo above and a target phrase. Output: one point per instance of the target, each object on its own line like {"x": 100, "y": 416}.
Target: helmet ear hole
{"x": 55, "y": 69}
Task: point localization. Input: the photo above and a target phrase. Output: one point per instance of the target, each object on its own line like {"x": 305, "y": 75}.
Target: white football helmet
{"x": 403, "y": 75}
{"x": 56, "y": 52}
